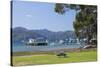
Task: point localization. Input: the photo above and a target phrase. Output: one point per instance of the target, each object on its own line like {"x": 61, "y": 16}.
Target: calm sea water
{"x": 18, "y": 47}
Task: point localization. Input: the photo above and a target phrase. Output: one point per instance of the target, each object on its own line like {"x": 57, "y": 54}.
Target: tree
{"x": 85, "y": 24}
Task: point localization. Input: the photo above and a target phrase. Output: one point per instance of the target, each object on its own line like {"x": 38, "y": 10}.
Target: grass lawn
{"x": 38, "y": 59}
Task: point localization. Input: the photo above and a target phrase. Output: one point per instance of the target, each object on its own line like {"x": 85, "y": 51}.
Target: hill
{"x": 20, "y": 33}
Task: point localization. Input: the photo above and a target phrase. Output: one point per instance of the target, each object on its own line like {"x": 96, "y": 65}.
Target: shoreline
{"x": 51, "y": 52}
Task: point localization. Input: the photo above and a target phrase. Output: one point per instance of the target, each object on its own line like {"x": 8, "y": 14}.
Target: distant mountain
{"x": 19, "y": 34}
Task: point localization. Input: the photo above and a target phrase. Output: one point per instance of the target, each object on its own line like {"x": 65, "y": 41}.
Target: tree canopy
{"x": 85, "y": 24}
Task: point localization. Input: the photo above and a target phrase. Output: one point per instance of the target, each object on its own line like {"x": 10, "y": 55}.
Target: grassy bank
{"x": 50, "y": 52}
{"x": 51, "y": 58}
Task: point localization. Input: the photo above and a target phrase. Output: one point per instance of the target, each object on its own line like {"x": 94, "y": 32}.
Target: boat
{"x": 37, "y": 42}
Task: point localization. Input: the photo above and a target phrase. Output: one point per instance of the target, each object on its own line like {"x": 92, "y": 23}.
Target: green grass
{"x": 84, "y": 56}
{"x": 31, "y": 53}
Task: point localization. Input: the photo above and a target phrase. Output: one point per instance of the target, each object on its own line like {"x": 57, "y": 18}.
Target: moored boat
{"x": 37, "y": 42}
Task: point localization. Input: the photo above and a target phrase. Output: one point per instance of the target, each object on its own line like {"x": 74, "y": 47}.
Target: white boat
{"x": 36, "y": 42}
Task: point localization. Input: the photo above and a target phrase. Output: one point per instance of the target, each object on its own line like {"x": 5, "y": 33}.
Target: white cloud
{"x": 29, "y": 15}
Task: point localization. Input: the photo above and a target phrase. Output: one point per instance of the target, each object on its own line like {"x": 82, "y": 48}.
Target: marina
{"x": 44, "y": 45}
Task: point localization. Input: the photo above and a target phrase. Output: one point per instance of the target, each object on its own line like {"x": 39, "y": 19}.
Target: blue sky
{"x": 41, "y": 15}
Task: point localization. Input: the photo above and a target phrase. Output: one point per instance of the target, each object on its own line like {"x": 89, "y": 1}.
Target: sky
{"x": 41, "y": 15}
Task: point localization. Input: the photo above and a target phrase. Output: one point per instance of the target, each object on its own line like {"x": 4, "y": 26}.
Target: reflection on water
{"x": 51, "y": 46}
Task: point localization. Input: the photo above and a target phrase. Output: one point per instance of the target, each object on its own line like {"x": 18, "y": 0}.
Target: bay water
{"x": 19, "y": 47}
